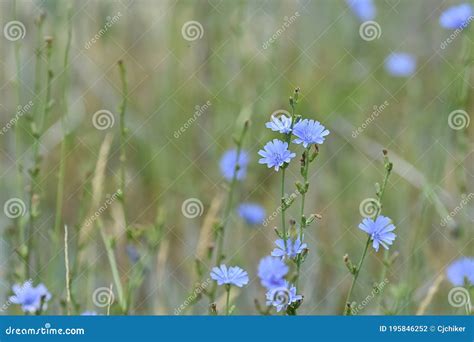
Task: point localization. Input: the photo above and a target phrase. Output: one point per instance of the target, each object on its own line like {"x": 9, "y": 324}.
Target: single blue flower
{"x": 309, "y": 132}
{"x": 461, "y": 271}
{"x": 132, "y": 253}
{"x": 363, "y": 9}
{"x": 30, "y": 298}
{"x": 229, "y": 161}
{"x": 252, "y": 213}
{"x": 281, "y": 297}
{"x": 89, "y": 313}
{"x": 275, "y": 153}
{"x": 456, "y": 17}
{"x": 400, "y": 64}
{"x": 379, "y": 230}
{"x": 293, "y": 248}
{"x": 232, "y": 275}
{"x": 280, "y": 124}
{"x": 271, "y": 272}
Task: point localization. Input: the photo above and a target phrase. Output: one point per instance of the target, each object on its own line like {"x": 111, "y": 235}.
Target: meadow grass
{"x": 133, "y": 104}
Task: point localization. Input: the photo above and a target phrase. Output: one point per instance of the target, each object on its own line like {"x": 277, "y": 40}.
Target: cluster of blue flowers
{"x": 307, "y": 132}
{"x": 402, "y": 64}
{"x": 276, "y": 154}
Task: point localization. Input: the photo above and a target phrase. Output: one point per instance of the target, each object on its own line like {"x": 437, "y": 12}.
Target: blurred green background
{"x": 342, "y": 78}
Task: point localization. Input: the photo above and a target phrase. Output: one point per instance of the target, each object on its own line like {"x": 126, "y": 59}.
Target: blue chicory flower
{"x": 363, "y": 9}
{"x": 293, "y": 248}
{"x": 456, "y": 17}
{"x": 29, "y": 297}
{"x": 275, "y": 153}
{"x": 461, "y": 271}
{"x": 380, "y": 231}
{"x": 89, "y": 313}
{"x": 271, "y": 272}
{"x": 309, "y": 132}
{"x": 232, "y": 275}
{"x": 281, "y": 297}
{"x": 280, "y": 124}
{"x": 252, "y": 213}
{"x": 132, "y": 253}
{"x": 400, "y": 64}
{"x": 229, "y": 161}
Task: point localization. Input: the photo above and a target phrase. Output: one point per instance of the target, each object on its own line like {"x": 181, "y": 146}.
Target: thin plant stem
{"x": 113, "y": 265}
{"x": 123, "y": 136}
{"x": 68, "y": 278}
{"x": 348, "y": 309}
{"x": 227, "y": 302}
{"x": 35, "y": 171}
{"x": 228, "y": 209}
{"x": 62, "y": 158}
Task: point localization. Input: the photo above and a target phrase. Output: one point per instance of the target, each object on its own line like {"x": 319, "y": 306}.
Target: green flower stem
{"x": 303, "y": 219}
{"x": 38, "y": 128}
{"x": 227, "y": 210}
{"x": 113, "y": 265}
{"x": 227, "y": 302}
{"x": 62, "y": 160}
{"x": 283, "y": 205}
{"x": 388, "y": 168}
{"x": 293, "y": 101}
{"x": 123, "y": 136}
